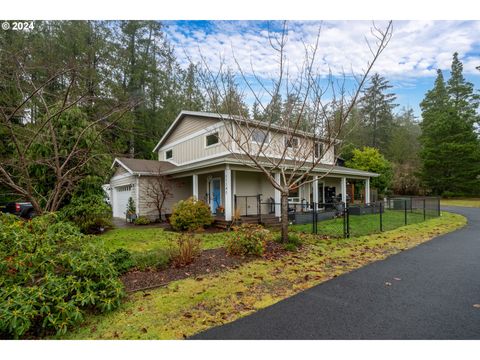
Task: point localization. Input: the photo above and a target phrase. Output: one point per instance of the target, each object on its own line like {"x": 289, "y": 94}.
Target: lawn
{"x": 188, "y": 306}
{"x": 363, "y": 224}
{"x": 467, "y": 202}
{"x": 143, "y": 239}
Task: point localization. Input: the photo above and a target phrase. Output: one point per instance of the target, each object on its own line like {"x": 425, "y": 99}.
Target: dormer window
{"x": 168, "y": 154}
{"x": 211, "y": 139}
{"x": 291, "y": 142}
{"x": 259, "y": 136}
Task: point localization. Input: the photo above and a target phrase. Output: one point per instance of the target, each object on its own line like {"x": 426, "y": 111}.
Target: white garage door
{"x": 120, "y": 196}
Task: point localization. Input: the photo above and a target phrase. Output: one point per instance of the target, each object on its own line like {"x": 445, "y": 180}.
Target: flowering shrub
{"x": 190, "y": 215}
{"x": 50, "y": 276}
{"x": 248, "y": 239}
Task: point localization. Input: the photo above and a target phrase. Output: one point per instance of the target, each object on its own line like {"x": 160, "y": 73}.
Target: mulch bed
{"x": 209, "y": 261}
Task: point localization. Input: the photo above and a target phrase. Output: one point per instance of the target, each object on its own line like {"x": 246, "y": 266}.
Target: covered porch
{"x": 234, "y": 191}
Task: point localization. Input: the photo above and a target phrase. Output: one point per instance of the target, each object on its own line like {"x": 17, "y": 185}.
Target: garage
{"x": 121, "y": 194}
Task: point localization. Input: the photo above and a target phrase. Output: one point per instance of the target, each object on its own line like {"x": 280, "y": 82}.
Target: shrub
{"x": 186, "y": 249}
{"x": 90, "y": 213}
{"x": 122, "y": 260}
{"x": 142, "y": 220}
{"x": 248, "y": 239}
{"x": 190, "y": 215}
{"x": 294, "y": 242}
{"x": 153, "y": 259}
{"x": 50, "y": 276}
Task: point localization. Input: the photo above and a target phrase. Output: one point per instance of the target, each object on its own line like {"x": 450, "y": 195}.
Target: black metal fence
{"x": 364, "y": 219}
{"x": 334, "y": 219}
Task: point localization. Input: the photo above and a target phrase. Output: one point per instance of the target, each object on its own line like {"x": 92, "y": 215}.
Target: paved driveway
{"x": 440, "y": 283}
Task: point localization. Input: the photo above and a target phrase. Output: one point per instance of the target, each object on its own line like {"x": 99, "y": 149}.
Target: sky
{"x": 410, "y": 61}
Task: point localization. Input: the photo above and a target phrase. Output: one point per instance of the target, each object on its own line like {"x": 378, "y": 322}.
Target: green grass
{"x": 361, "y": 225}
{"x": 467, "y": 202}
{"x": 140, "y": 239}
{"x": 188, "y": 306}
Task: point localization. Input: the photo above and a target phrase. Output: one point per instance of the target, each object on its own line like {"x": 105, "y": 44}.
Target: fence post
{"x": 424, "y": 212}
{"x": 381, "y": 217}
{"x": 405, "y": 211}
{"x": 246, "y": 205}
{"x": 346, "y": 223}
{"x": 438, "y": 206}
{"x": 314, "y": 219}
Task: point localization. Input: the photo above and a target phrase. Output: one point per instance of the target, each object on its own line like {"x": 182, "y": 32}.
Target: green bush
{"x": 142, "y": 220}
{"x": 90, "y": 213}
{"x": 190, "y": 215}
{"x": 50, "y": 276}
{"x": 294, "y": 241}
{"x": 122, "y": 260}
{"x": 248, "y": 239}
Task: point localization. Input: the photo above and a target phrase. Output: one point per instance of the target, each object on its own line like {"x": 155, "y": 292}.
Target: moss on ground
{"x": 189, "y": 306}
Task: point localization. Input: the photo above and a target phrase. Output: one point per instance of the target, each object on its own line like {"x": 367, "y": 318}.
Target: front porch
{"x": 236, "y": 192}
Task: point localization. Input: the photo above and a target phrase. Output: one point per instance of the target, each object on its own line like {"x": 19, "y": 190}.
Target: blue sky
{"x": 415, "y": 51}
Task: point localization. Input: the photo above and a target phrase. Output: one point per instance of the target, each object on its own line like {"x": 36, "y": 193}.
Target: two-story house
{"x": 200, "y": 160}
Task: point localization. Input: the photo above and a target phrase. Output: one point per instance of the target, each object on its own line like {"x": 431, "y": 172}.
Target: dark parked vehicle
{"x": 22, "y": 209}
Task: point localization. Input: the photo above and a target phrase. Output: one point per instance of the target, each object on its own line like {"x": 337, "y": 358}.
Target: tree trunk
{"x": 284, "y": 217}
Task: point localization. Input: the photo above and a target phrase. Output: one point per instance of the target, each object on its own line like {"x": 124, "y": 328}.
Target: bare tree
{"x": 293, "y": 142}
{"x": 61, "y": 140}
{"x": 157, "y": 190}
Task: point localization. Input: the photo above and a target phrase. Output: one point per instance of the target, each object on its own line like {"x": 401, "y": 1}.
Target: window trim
{"x": 166, "y": 151}
{"x": 266, "y": 140}
{"x": 288, "y": 144}
{"x": 317, "y": 153}
{"x": 214, "y": 144}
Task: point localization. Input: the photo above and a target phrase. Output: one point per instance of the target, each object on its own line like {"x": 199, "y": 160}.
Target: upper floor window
{"x": 168, "y": 154}
{"x": 259, "y": 136}
{"x": 211, "y": 139}
{"x": 318, "y": 150}
{"x": 291, "y": 142}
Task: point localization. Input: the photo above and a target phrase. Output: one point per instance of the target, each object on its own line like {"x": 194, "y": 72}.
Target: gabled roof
{"x": 142, "y": 166}
{"x": 223, "y": 117}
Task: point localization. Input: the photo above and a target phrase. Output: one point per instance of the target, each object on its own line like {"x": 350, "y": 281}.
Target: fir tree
{"x": 376, "y": 106}
{"x": 450, "y": 148}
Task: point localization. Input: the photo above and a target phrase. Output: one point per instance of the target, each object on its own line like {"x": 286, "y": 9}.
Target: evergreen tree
{"x": 376, "y": 107}
{"x": 450, "y": 150}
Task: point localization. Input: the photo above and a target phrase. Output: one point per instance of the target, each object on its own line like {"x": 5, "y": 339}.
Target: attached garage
{"x": 128, "y": 181}
{"x": 121, "y": 194}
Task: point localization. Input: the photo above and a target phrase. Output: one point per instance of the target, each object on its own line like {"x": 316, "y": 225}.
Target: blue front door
{"x": 215, "y": 200}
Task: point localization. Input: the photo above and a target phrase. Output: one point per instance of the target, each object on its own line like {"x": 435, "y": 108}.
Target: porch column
{"x": 367, "y": 190}
{"x": 278, "y": 199}
{"x": 228, "y": 193}
{"x": 344, "y": 189}
{"x": 315, "y": 189}
{"x": 195, "y": 186}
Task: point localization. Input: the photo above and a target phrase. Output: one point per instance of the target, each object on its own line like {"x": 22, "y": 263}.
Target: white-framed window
{"x": 124, "y": 188}
{"x": 259, "y": 136}
{"x": 212, "y": 139}
{"x": 291, "y": 142}
{"x": 168, "y": 154}
{"x": 318, "y": 149}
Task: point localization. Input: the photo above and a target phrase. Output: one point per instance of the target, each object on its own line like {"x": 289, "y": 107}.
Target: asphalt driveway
{"x": 433, "y": 289}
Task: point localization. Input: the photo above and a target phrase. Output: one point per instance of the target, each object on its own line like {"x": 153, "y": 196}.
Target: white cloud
{"x": 417, "y": 48}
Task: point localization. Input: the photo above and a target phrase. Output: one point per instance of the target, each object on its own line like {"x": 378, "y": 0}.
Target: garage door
{"x": 120, "y": 196}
